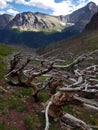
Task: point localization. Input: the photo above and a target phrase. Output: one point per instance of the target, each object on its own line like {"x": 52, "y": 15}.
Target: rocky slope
{"x": 4, "y": 20}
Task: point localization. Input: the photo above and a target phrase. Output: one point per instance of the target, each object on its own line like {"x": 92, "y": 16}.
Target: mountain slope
{"x": 28, "y": 21}
{"x": 93, "y": 24}
{"x": 82, "y": 16}
{"x": 76, "y": 45}
{"x": 4, "y": 20}
{"x": 32, "y": 39}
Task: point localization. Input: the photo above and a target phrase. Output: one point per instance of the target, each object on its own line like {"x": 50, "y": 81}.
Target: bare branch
{"x": 64, "y": 89}
{"x": 4, "y": 89}
{"x": 46, "y": 115}
{"x": 77, "y": 121}
{"x": 86, "y": 101}
{"x": 91, "y": 107}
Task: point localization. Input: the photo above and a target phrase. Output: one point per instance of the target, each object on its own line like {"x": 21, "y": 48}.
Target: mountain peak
{"x": 39, "y": 13}
{"x": 28, "y": 12}
{"x": 91, "y": 5}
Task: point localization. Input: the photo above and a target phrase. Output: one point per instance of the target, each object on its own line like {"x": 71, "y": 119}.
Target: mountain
{"x": 4, "y": 20}
{"x": 93, "y": 24}
{"x": 28, "y": 21}
{"x": 81, "y": 17}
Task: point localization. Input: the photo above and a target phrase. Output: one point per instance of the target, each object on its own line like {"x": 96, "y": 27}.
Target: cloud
{"x": 12, "y": 11}
{"x": 62, "y": 7}
{"x": 5, "y": 3}
{"x": 6, "y": 7}
{"x": 21, "y": 2}
{"x": 9, "y": 0}
{"x": 95, "y": 1}
{"x": 59, "y": 8}
{"x": 45, "y": 4}
{"x": 67, "y": 6}
{"x": 2, "y": 12}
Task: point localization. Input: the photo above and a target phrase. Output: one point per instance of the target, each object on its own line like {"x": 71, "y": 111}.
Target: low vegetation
{"x": 77, "y": 45}
{"x": 4, "y": 51}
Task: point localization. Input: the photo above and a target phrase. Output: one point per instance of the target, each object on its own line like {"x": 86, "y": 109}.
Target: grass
{"x": 68, "y": 109}
{"x": 4, "y": 51}
{"x": 23, "y": 92}
{"x": 16, "y": 103}
{"x": 2, "y": 69}
{"x": 43, "y": 96}
{"x": 2, "y": 105}
{"x": 76, "y": 45}
{"x": 4, "y": 126}
{"x": 31, "y": 122}
{"x": 28, "y": 122}
{"x": 3, "y": 108}
{"x": 89, "y": 116}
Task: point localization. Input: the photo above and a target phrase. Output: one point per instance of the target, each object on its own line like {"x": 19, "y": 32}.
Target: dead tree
{"x": 66, "y": 96}
{"x": 55, "y": 81}
{"x": 19, "y": 72}
{"x": 82, "y": 85}
{"x": 14, "y": 61}
{"x": 79, "y": 84}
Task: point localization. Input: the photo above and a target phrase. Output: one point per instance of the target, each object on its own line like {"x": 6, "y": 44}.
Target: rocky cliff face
{"x": 93, "y": 24}
{"x": 29, "y": 21}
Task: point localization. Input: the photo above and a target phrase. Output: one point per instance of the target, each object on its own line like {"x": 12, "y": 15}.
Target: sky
{"x": 52, "y": 7}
